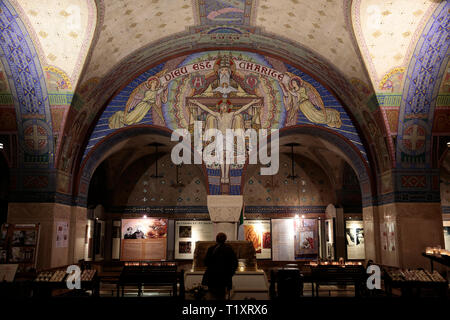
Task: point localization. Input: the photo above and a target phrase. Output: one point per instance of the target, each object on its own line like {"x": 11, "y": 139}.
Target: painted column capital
{"x": 225, "y": 208}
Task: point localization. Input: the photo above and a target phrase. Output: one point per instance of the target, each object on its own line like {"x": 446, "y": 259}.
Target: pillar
{"x": 372, "y": 244}
{"x": 48, "y": 215}
{"x": 224, "y": 212}
{"x": 340, "y": 233}
{"x": 406, "y": 229}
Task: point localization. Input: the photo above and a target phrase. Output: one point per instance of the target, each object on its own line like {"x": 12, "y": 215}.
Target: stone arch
{"x": 362, "y": 168}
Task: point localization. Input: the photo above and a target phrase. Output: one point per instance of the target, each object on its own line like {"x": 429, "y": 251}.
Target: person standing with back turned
{"x": 221, "y": 263}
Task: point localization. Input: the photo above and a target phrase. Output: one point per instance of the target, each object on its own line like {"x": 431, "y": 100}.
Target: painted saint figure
{"x": 225, "y": 120}
{"x": 140, "y": 103}
{"x": 301, "y": 96}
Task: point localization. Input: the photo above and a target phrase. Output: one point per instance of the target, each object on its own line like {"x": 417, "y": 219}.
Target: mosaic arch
{"x": 420, "y": 91}
{"x": 170, "y": 93}
{"x": 94, "y": 99}
{"x": 27, "y": 83}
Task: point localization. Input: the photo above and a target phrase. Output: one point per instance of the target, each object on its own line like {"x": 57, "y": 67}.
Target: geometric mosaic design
{"x": 28, "y": 87}
{"x": 421, "y": 90}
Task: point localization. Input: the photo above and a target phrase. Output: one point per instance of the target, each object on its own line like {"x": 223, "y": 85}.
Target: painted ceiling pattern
{"x": 61, "y": 30}
{"x": 388, "y": 31}
{"x": 319, "y": 25}
{"x": 130, "y": 24}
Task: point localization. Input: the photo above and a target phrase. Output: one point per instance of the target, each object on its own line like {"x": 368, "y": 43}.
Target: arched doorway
{"x": 135, "y": 179}
{"x": 317, "y": 167}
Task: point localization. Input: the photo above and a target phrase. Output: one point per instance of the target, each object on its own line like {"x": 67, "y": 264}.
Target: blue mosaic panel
{"x": 421, "y": 89}
{"x": 118, "y": 103}
{"x": 347, "y": 129}
{"x": 27, "y": 83}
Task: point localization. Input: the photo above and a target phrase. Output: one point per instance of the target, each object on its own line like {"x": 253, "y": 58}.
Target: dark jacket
{"x": 221, "y": 263}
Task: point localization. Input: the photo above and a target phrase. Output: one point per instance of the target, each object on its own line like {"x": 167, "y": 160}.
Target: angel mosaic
{"x": 301, "y": 96}
{"x": 150, "y": 94}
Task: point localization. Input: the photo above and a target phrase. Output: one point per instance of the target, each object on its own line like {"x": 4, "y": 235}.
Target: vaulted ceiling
{"x": 355, "y": 36}
{"x": 355, "y": 46}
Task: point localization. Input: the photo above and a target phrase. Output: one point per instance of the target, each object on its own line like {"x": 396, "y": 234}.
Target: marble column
{"x": 406, "y": 229}
{"x": 372, "y": 244}
{"x": 224, "y": 211}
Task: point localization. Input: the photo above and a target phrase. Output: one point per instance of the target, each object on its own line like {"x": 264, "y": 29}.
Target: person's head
{"x": 225, "y": 71}
{"x": 221, "y": 237}
{"x": 153, "y": 83}
{"x": 296, "y": 83}
{"x": 223, "y": 107}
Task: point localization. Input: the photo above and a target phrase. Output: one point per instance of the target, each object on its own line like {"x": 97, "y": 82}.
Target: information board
{"x": 144, "y": 239}
{"x": 354, "y": 238}
{"x": 187, "y": 233}
{"x": 258, "y": 232}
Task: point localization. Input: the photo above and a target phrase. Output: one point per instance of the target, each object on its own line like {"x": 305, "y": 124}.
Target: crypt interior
{"x": 354, "y": 96}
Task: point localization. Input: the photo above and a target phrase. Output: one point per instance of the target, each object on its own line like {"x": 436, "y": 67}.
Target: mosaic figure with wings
{"x": 300, "y": 95}
{"x": 149, "y": 94}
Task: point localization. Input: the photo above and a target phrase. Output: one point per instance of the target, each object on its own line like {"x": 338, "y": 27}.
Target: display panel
{"x": 354, "y": 238}
{"x": 187, "y": 233}
{"x": 143, "y": 239}
{"x": 294, "y": 239}
{"x": 258, "y": 233}
{"x": 329, "y": 239}
{"x": 62, "y": 234}
{"x": 388, "y": 235}
{"x": 447, "y": 234}
{"x": 306, "y": 238}
{"x": 282, "y": 239}
{"x": 19, "y": 244}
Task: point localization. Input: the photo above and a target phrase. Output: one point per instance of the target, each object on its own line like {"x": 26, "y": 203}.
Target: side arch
{"x": 362, "y": 168}
{"x": 108, "y": 146}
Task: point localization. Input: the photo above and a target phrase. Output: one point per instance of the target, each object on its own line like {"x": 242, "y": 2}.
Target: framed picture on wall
{"x": 447, "y": 234}
{"x": 187, "y": 233}
{"x": 258, "y": 232}
{"x": 144, "y": 239}
{"x": 20, "y": 245}
{"x": 306, "y": 238}
{"x": 354, "y": 239}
